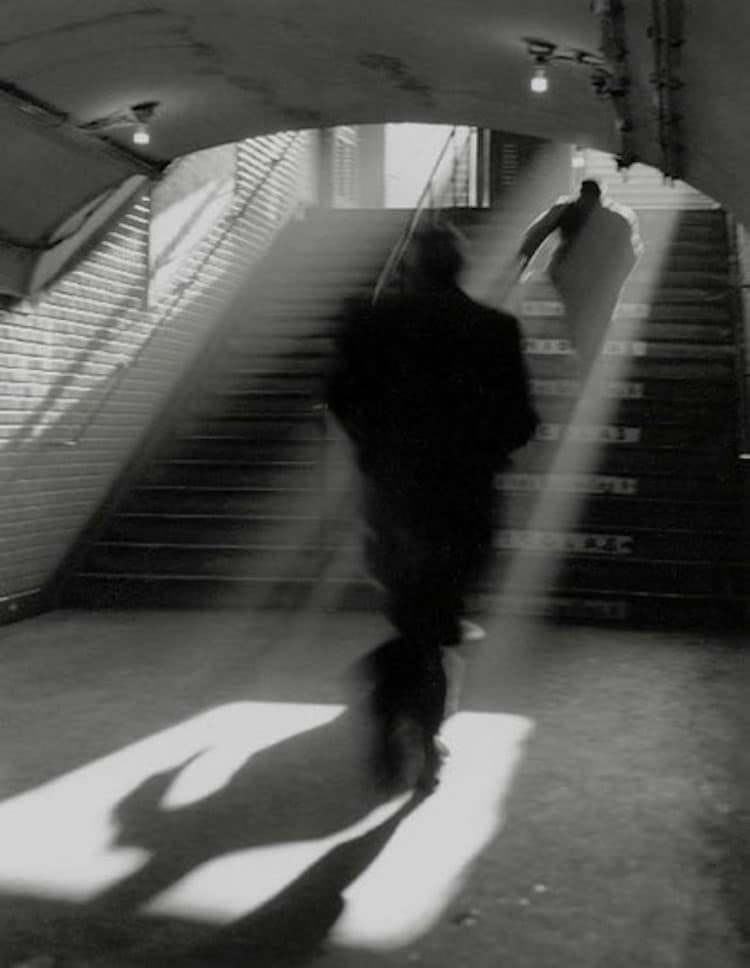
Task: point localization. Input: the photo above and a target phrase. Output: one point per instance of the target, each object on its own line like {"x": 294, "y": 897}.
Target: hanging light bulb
{"x": 539, "y": 83}
{"x": 142, "y": 114}
{"x": 141, "y": 134}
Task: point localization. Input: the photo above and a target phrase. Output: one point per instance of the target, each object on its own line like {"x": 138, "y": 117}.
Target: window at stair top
{"x": 411, "y": 153}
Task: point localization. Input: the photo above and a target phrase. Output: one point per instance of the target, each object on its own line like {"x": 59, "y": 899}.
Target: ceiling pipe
{"x": 613, "y": 81}
{"x": 667, "y": 34}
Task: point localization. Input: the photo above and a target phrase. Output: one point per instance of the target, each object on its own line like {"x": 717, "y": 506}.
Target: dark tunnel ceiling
{"x": 230, "y": 69}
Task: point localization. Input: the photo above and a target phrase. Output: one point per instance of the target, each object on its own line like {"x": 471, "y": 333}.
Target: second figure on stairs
{"x": 598, "y": 248}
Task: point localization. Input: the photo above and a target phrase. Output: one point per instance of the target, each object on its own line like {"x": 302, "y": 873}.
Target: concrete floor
{"x": 186, "y": 788}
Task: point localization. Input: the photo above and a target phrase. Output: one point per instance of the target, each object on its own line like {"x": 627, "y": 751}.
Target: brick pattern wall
{"x": 86, "y": 367}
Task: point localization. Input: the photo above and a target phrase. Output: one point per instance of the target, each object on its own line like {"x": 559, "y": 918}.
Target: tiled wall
{"x": 85, "y": 368}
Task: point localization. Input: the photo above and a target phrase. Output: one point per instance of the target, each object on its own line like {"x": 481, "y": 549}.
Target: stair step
{"x": 232, "y": 473}
{"x": 300, "y": 427}
{"x": 666, "y": 277}
{"x": 542, "y": 301}
{"x": 282, "y": 563}
{"x": 219, "y": 561}
{"x": 622, "y": 476}
{"x": 651, "y": 394}
{"x": 286, "y": 405}
{"x": 645, "y": 396}
{"x": 516, "y": 510}
{"x": 672, "y": 437}
{"x": 642, "y": 368}
{"x": 686, "y": 258}
{"x": 653, "y": 292}
{"x": 599, "y": 605}
{"x": 104, "y": 590}
{"x": 635, "y": 544}
{"x": 285, "y": 502}
{"x": 99, "y": 589}
{"x": 205, "y": 528}
{"x": 633, "y": 460}
{"x": 614, "y": 608}
{"x": 654, "y": 416}
{"x": 279, "y": 501}
{"x": 655, "y": 423}
{"x": 231, "y": 447}
{"x": 638, "y": 449}
{"x": 648, "y": 331}
{"x": 644, "y": 576}
{"x": 612, "y": 511}
{"x": 658, "y": 420}
{"x": 302, "y": 346}
{"x": 712, "y": 312}
{"x": 643, "y": 349}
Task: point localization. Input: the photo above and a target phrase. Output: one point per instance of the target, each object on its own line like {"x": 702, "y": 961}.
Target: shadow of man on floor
{"x": 311, "y": 786}
{"x": 292, "y": 927}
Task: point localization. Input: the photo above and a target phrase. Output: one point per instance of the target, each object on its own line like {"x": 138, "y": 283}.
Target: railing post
{"x": 739, "y": 249}
{"x": 320, "y": 409}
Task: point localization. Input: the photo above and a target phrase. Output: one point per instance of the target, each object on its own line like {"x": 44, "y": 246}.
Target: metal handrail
{"x": 124, "y": 367}
{"x": 109, "y": 384}
{"x": 427, "y": 194}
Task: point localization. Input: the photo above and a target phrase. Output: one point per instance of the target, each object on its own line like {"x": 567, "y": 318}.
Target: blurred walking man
{"x": 432, "y": 390}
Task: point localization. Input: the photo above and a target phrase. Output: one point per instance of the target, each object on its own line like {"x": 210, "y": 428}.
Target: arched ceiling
{"x": 222, "y": 70}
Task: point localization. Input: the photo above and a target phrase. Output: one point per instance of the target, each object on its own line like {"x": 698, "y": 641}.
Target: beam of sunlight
{"x": 536, "y": 550}
{"x": 422, "y": 867}
{"x": 60, "y": 840}
{"x": 551, "y": 530}
{"x": 288, "y": 331}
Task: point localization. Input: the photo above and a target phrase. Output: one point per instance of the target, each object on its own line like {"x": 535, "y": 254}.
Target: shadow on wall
{"x": 34, "y": 433}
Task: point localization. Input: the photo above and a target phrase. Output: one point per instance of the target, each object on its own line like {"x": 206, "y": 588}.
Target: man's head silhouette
{"x": 590, "y": 188}
{"x": 590, "y": 193}
{"x": 434, "y": 259}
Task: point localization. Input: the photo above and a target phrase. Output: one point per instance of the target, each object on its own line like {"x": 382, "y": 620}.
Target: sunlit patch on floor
{"x": 56, "y": 840}
{"x": 424, "y": 864}
{"x": 404, "y": 891}
{"x": 61, "y": 839}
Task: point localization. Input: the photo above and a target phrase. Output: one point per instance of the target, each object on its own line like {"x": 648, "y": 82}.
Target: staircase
{"x": 652, "y": 528}
{"x": 635, "y": 515}
{"x": 232, "y": 508}
{"x": 228, "y": 510}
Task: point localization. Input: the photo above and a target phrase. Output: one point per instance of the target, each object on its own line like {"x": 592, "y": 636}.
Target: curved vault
{"x": 228, "y": 70}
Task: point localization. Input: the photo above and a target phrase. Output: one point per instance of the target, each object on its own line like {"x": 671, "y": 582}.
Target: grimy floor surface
{"x": 190, "y": 788}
